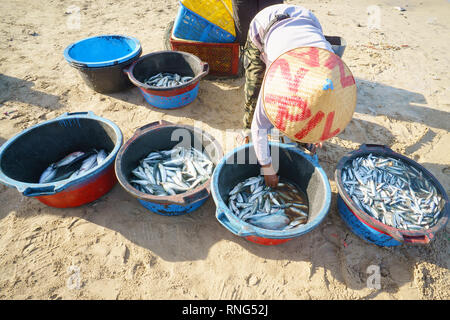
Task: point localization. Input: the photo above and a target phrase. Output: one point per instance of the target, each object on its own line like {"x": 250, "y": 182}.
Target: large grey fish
{"x": 270, "y": 221}
{"x": 73, "y": 165}
{"x": 74, "y": 156}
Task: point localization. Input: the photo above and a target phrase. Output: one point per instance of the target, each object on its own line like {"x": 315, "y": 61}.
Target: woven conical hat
{"x": 309, "y": 94}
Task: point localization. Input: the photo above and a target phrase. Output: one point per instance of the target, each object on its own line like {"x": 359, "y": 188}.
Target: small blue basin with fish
{"x": 294, "y": 165}
{"x": 172, "y": 62}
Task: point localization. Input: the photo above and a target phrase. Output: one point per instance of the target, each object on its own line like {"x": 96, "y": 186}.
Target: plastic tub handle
{"x": 395, "y": 234}
{"x": 79, "y": 113}
{"x": 365, "y": 146}
{"x": 47, "y": 190}
{"x": 127, "y": 70}
{"x": 153, "y": 124}
{"x": 230, "y": 225}
{"x": 205, "y": 68}
{"x": 196, "y": 197}
{"x": 38, "y": 191}
{"x": 423, "y": 239}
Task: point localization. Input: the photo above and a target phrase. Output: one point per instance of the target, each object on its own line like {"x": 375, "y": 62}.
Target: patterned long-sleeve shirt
{"x": 302, "y": 29}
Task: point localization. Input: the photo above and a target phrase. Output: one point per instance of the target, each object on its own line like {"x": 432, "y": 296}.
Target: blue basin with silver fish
{"x": 163, "y": 135}
{"x": 298, "y": 167}
{"x": 177, "y": 95}
{"x": 403, "y": 203}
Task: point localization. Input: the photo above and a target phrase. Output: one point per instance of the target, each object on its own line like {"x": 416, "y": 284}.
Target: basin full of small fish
{"x": 73, "y": 165}
{"x": 393, "y": 192}
{"x": 171, "y": 172}
{"x": 167, "y": 80}
{"x": 280, "y": 208}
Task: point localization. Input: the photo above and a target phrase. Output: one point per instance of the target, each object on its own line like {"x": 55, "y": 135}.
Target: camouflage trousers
{"x": 254, "y": 75}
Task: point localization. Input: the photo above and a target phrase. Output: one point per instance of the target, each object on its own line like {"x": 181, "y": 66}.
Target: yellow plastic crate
{"x": 218, "y": 12}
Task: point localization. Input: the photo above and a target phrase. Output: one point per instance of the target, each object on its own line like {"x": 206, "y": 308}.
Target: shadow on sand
{"x": 204, "y": 107}
{"x": 15, "y": 89}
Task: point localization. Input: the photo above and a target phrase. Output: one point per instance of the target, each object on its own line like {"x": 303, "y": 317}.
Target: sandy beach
{"x": 119, "y": 250}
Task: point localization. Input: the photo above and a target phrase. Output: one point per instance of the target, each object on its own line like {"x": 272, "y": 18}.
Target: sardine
{"x": 174, "y": 171}
{"x": 89, "y": 163}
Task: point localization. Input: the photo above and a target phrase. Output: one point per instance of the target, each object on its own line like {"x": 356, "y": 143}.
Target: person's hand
{"x": 271, "y": 180}
{"x": 270, "y": 176}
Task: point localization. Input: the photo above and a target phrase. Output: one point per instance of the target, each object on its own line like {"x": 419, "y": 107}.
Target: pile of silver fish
{"x": 166, "y": 80}
{"x": 170, "y": 172}
{"x": 393, "y": 192}
{"x": 73, "y": 165}
{"x": 280, "y": 208}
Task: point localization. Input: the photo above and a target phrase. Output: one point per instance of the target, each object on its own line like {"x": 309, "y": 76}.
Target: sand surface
{"x": 116, "y": 249}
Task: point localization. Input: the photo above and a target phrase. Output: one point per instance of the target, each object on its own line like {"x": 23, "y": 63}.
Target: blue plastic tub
{"x": 182, "y": 63}
{"x": 24, "y": 157}
{"x": 373, "y": 230}
{"x": 362, "y": 230}
{"x": 100, "y": 60}
{"x": 163, "y": 135}
{"x": 190, "y": 26}
{"x": 295, "y": 165}
{"x": 102, "y": 51}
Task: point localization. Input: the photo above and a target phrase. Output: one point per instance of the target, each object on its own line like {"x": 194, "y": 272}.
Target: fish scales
{"x": 269, "y": 208}
{"x": 167, "y": 80}
{"x": 73, "y": 165}
{"x": 392, "y": 191}
{"x": 173, "y": 171}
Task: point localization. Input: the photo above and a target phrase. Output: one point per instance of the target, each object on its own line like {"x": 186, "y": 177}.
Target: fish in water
{"x": 171, "y": 172}
{"x": 280, "y": 208}
{"x": 167, "y": 80}
{"x": 274, "y": 221}
{"x": 73, "y": 165}
{"x": 393, "y": 192}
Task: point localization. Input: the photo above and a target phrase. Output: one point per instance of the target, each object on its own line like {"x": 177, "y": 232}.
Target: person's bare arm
{"x": 270, "y": 176}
